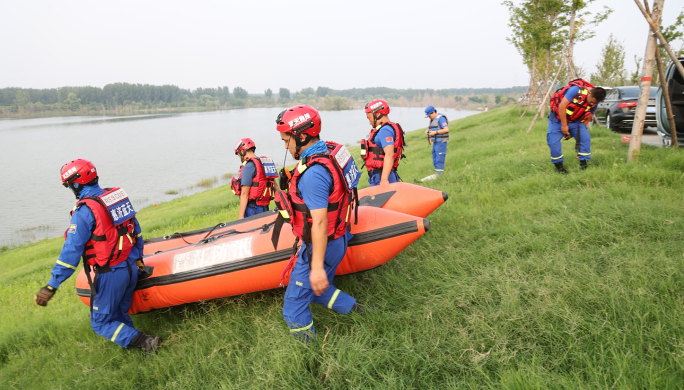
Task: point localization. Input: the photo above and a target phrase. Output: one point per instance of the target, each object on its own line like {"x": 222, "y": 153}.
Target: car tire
{"x": 608, "y": 125}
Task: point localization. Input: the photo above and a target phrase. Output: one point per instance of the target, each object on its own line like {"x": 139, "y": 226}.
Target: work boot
{"x": 560, "y": 168}
{"x": 583, "y": 164}
{"x": 359, "y": 308}
{"x": 146, "y": 342}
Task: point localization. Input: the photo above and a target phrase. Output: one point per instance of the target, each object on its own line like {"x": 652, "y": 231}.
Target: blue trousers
{"x": 555, "y": 135}
{"x": 109, "y": 317}
{"x": 374, "y": 180}
{"x": 253, "y": 209}
{"x": 439, "y": 151}
{"x": 299, "y": 293}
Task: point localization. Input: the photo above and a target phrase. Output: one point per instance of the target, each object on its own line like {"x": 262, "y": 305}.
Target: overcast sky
{"x": 272, "y": 44}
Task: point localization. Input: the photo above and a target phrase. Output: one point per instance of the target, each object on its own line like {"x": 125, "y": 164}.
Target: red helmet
{"x": 299, "y": 120}
{"x": 244, "y": 144}
{"x": 78, "y": 171}
{"x": 378, "y": 106}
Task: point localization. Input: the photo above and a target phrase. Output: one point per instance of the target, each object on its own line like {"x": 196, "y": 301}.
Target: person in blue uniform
{"x": 438, "y": 134}
{"x": 577, "y": 105}
{"x": 114, "y": 283}
{"x": 311, "y": 279}
{"x": 255, "y": 183}
{"x": 384, "y": 148}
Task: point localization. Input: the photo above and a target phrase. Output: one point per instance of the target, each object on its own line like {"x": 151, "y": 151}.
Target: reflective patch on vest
{"x": 342, "y": 156}
{"x": 351, "y": 175}
{"x": 269, "y": 167}
{"x": 119, "y": 206}
{"x": 217, "y": 254}
{"x": 72, "y": 229}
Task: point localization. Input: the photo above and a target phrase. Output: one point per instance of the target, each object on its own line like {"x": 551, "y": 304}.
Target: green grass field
{"x": 527, "y": 279}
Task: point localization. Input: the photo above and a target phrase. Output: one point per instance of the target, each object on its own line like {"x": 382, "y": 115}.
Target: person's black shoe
{"x": 583, "y": 164}
{"x": 359, "y": 308}
{"x": 417, "y": 181}
{"x": 146, "y": 342}
{"x": 560, "y": 168}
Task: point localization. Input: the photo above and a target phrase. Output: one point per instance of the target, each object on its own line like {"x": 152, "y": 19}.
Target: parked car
{"x": 675, "y": 84}
{"x": 618, "y": 109}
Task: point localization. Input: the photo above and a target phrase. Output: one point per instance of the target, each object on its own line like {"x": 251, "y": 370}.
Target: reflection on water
{"x": 156, "y": 158}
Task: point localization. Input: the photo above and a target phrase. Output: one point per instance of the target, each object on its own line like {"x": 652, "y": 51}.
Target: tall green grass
{"x": 527, "y": 279}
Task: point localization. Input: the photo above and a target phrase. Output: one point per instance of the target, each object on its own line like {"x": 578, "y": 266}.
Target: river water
{"x": 146, "y": 155}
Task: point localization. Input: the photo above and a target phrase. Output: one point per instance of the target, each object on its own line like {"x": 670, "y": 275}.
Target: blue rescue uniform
{"x": 554, "y": 135}
{"x": 314, "y": 185}
{"x": 439, "y": 148}
{"x": 383, "y": 138}
{"x": 109, "y": 317}
{"x": 248, "y": 174}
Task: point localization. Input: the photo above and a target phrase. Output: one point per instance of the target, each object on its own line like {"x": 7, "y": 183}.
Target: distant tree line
{"x": 126, "y": 98}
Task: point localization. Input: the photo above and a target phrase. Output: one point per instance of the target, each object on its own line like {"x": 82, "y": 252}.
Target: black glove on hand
{"x": 44, "y": 295}
{"x": 140, "y": 264}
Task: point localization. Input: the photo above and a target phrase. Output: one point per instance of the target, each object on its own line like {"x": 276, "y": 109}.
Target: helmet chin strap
{"x": 299, "y": 144}
{"x": 376, "y": 118}
{"x": 76, "y": 189}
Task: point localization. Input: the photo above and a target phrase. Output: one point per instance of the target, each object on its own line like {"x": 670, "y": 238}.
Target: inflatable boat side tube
{"x": 267, "y": 258}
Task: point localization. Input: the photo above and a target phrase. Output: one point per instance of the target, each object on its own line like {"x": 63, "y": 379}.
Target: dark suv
{"x": 617, "y": 110}
{"x": 675, "y": 84}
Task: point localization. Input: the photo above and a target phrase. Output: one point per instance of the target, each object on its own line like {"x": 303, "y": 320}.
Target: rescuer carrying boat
{"x": 106, "y": 234}
{"x": 318, "y": 204}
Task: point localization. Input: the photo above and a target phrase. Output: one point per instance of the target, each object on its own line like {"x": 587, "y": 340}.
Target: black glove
{"x": 144, "y": 272}
{"x": 44, "y": 295}
{"x": 140, "y": 264}
{"x": 284, "y": 178}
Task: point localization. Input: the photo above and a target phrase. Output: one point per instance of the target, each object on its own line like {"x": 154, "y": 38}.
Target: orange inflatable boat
{"x": 404, "y": 198}
{"x": 242, "y": 259}
{"x": 400, "y": 197}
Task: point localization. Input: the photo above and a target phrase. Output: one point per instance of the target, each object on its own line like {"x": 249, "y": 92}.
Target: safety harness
{"x": 261, "y": 190}
{"x": 343, "y": 198}
{"x": 579, "y": 108}
{"x": 374, "y": 156}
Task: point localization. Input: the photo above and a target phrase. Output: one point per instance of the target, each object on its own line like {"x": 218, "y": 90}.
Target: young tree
{"x": 284, "y": 93}
{"x": 610, "y": 71}
{"x": 578, "y": 26}
{"x": 268, "y": 93}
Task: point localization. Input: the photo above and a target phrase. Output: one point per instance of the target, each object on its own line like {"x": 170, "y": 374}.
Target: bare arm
{"x": 244, "y": 199}
{"x": 319, "y": 241}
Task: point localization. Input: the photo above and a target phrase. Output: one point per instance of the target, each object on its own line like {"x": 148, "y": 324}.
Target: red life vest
{"x": 261, "y": 190}
{"x": 374, "y": 155}
{"x": 341, "y": 201}
{"x": 579, "y": 108}
{"x": 114, "y": 235}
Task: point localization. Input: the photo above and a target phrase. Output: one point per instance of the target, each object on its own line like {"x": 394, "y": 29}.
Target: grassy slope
{"x": 527, "y": 279}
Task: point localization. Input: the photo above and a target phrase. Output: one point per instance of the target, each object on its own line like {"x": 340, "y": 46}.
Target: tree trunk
{"x": 645, "y": 86}
{"x": 655, "y": 26}
{"x": 572, "y": 73}
{"x": 666, "y": 96}
{"x": 541, "y": 106}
